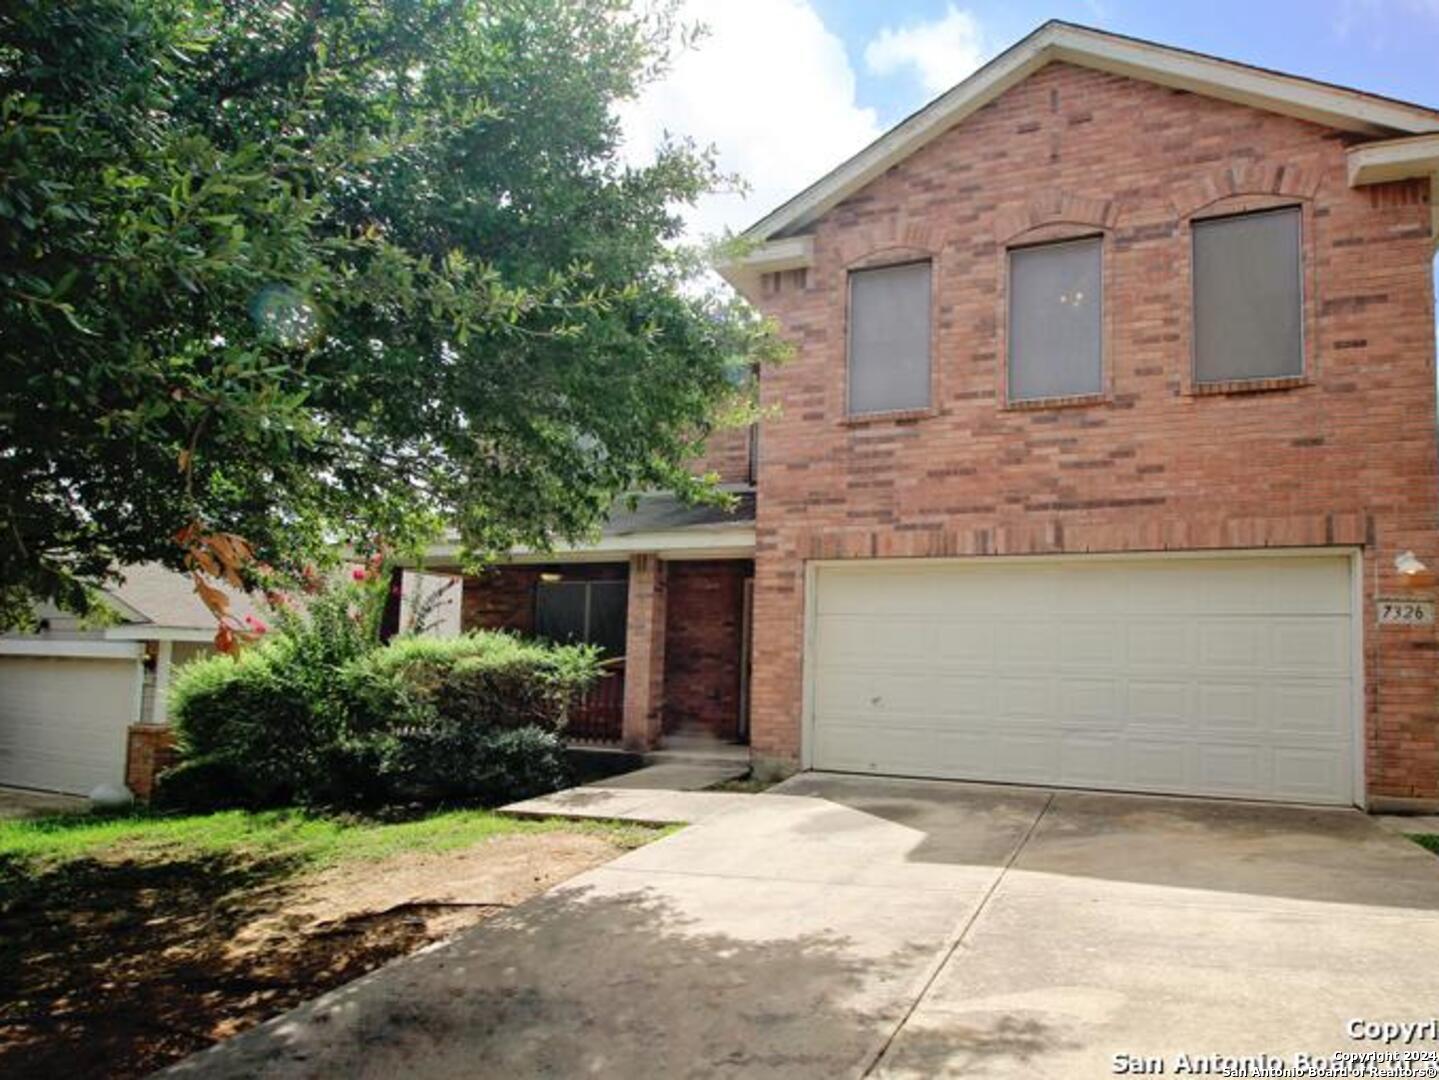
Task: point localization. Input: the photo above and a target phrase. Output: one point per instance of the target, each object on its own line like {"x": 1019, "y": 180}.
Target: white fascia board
{"x": 1272, "y": 91}
{"x": 695, "y": 543}
{"x": 771, "y": 257}
{"x": 126, "y": 611}
{"x": 1332, "y": 106}
{"x": 148, "y": 632}
{"x": 82, "y": 648}
{"x": 1393, "y": 159}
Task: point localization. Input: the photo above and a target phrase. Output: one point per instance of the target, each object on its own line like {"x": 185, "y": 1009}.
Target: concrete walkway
{"x": 845, "y": 926}
{"x": 668, "y": 794}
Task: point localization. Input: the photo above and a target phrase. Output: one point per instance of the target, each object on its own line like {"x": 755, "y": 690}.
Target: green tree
{"x": 311, "y": 271}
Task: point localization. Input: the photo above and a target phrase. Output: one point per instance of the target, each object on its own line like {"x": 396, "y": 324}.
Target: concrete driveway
{"x": 843, "y": 926}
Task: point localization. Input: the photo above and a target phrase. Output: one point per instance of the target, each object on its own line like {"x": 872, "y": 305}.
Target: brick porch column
{"x": 644, "y": 653}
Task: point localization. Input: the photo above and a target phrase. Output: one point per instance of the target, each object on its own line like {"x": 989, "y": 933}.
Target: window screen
{"x": 889, "y": 338}
{"x": 1054, "y": 321}
{"x": 560, "y": 610}
{"x": 609, "y": 611}
{"x": 1247, "y": 297}
{"x": 592, "y": 612}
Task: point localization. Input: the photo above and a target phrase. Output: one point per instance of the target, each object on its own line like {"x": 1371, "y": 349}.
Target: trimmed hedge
{"x": 488, "y": 679}
{"x": 315, "y": 717}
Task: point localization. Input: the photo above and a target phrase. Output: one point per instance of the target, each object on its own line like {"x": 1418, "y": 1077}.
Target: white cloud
{"x": 941, "y": 52}
{"x": 771, "y": 88}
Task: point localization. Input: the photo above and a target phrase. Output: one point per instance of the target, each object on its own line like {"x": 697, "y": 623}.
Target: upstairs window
{"x": 1055, "y": 309}
{"x": 590, "y": 612}
{"x": 889, "y": 334}
{"x": 1248, "y": 297}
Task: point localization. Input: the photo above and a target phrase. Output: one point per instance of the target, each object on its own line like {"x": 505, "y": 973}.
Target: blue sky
{"x": 1385, "y": 46}
{"x": 785, "y": 90}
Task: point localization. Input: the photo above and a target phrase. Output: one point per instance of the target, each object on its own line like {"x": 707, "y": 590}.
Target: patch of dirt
{"x": 118, "y": 968}
{"x": 748, "y": 784}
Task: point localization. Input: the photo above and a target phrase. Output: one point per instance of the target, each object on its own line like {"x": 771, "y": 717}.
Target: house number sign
{"x": 1394, "y": 612}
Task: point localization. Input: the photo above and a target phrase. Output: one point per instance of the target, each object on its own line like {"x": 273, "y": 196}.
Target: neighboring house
{"x": 1108, "y": 439}
{"x": 81, "y": 707}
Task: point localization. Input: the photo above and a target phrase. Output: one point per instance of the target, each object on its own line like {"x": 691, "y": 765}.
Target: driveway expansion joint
{"x": 954, "y": 945}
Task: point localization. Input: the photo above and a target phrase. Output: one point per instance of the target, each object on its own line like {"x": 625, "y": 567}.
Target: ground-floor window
{"x": 593, "y": 612}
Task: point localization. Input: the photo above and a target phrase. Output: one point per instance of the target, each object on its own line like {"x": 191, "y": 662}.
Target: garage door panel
{"x": 1096, "y": 701}
{"x": 1090, "y": 593}
{"x": 865, "y": 693}
{"x": 1319, "y": 709}
{"x": 1318, "y": 646}
{"x": 1091, "y": 643}
{"x": 1024, "y": 698}
{"x": 852, "y": 637}
{"x": 1229, "y": 644}
{"x": 63, "y": 721}
{"x": 1308, "y": 775}
{"x": 963, "y": 642}
{"x": 1021, "y": 756}
{"x": 1231, "y": 769}
{"x": 1155, "y": 587}
{"x": 1157, "y": 764}
{"x": 1027, "y": 643}
{"x": 908, "y": 750}
{"x": 1195, "y": 676}
{"x": 1152, "y": 703}
{"x": 1160, "y": 644}
{"x": 1227, "y": 708}
{"x": 1092, "y": 761}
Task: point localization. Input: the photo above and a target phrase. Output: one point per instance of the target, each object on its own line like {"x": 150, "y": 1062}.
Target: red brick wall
{"x": 728, "y": 455}
{"x": 149, "y": 751}
{"x": 503, "y": 597}
{"x": 703, "y": 630}
{"x": 1347, "y": 458}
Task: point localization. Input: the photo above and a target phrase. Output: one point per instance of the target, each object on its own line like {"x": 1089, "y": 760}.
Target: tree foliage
{"x": 301, "y": 272}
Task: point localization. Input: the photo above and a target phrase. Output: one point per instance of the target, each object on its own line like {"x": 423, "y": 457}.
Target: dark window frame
{"x": 1097, "y": 241}
{"x": 1196, "y": 225}
{"x": 850, "y": 412}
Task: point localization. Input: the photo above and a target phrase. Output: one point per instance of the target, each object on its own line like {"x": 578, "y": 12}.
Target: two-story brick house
{"x": 1107, "y": 454}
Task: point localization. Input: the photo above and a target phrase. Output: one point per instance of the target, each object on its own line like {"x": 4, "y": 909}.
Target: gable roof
{"x": 1307, "y": 99}
{"x": 154, "y": 596}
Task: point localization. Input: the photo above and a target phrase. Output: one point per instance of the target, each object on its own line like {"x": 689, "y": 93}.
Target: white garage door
{"x": 1217, "y": 676}
{"x": 64, "y": 721}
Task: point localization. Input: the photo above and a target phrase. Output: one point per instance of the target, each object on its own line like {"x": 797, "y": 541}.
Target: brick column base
{"x": 150, "y": 750}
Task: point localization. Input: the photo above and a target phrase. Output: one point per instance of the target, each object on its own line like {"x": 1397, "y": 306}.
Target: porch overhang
{"x": 690, "y": 543}
{"x": 650, "y": 523}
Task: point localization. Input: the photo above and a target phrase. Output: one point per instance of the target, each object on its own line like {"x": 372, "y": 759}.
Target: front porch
{"x": 666, "y": 594}
{"x": 675, "y": 633}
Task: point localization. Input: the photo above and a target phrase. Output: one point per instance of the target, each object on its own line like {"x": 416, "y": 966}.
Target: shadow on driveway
{"x": 592, "y": 982}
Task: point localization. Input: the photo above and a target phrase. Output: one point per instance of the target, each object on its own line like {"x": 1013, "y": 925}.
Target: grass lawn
{"x": 311, "y": 840}
{"x": 129, "y": 942}
{"x": 1428, "y": 840}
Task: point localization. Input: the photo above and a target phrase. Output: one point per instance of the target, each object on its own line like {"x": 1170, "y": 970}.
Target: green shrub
{"x": 320, "y": 713}
{"x": 249, "y": 714}
{"x": 454, "y": 761}
{"x": 202, "y": 784}
{"x": 490, "y": 679}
